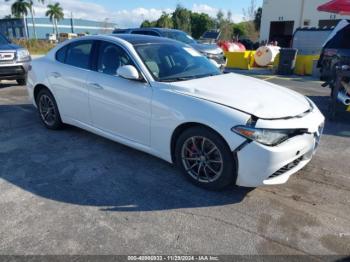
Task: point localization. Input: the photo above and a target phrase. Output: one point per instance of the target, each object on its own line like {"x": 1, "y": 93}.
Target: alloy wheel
{"x": 202, "y": 159}
{"x": 47, "y": 110}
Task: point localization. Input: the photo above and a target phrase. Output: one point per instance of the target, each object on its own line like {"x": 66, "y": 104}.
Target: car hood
{"x": 207, "y": 48}
{"x": 247, "y": 94}
{"x": 9, "y": 47}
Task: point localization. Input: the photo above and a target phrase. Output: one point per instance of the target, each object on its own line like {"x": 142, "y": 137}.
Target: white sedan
{"x": 164, "y": 98}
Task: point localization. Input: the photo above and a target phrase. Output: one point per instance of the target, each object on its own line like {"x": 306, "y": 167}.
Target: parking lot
{"x": 72, "y": 192}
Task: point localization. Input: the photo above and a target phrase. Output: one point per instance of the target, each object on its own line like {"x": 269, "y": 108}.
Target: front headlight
{"x": 206, "y": 54}
{"x": 23, "y": 55}
{"x": 210, "y": 55}
{"x": 268, "y": 137}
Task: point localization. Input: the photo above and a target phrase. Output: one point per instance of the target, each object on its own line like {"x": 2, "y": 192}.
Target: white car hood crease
{"x": 247, "y": 94}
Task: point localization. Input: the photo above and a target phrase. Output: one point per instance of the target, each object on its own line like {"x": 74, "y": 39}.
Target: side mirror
{"x": 128, "y": 72}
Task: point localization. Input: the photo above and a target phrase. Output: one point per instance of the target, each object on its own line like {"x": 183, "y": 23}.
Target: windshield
{"x": 175, "y": 62}
{"x": 179, "y": 36}
{"x": 3, "y": 40}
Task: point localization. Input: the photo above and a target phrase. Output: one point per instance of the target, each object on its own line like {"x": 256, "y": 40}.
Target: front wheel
{"x": 205, "y": 158}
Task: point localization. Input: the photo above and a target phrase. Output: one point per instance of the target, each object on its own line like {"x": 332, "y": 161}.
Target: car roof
{"x": 158, "y": 29}
{"x": 145, "y": 39}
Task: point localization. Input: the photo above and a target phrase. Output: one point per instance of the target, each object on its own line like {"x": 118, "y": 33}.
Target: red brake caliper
{"x": 193, "y": 149}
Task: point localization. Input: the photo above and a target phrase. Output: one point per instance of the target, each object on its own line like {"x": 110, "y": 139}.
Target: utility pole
{"x": 25, "y": 27}
{"x": 71, "y": 22}
{"x": 302, "y": 9}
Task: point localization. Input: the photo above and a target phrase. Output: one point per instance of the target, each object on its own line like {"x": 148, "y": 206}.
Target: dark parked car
{"x": 14, "y": 61}
{"x": 211, "y": 51}
{"x": 210, "y": 37}
{"x": 336, "y": 51}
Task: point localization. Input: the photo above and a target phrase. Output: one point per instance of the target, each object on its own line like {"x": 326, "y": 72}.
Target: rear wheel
{"x": 204, "y": 157}
{"x": 48, "y": 110}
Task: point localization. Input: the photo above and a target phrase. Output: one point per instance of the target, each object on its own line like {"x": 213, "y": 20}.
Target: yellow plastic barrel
{"x": 240, "y": 60}
{"x": 304, "y": 64}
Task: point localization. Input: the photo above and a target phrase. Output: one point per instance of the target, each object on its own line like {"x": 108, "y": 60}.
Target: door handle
{"x": 56, "y": 74}
{"x": 96, "y": 86}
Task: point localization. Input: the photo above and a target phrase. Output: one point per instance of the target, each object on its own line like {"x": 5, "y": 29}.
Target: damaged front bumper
{"x": 271, "y": 165}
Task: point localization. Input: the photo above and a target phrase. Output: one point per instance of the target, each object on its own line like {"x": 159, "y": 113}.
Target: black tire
{"x": 55, "y": 122}
{"x": 228, "y": 172}
{"x": 21, "y": 82}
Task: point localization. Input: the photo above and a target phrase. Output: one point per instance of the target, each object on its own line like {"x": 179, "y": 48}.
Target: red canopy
{"x": 341, "y": 7}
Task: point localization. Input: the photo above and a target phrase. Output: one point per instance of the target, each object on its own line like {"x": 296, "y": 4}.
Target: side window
{"x": 61, "y": 54}
{"x": 78, "y": 54}
{"x": 345, "y": 43}
{"x": 111, "y": 57}
{"x": 153, "y": 33}
{"x": 119, "y": 32}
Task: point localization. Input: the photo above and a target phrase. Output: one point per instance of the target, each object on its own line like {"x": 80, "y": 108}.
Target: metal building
{"x": 280, "y": 18}
{"x": 23, "y": 27}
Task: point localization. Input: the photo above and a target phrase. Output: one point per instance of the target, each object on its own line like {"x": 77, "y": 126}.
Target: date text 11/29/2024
{"x": 173, "y": 258}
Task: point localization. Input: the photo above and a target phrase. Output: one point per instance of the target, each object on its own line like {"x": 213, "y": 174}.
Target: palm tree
{"x": 55, "y": 13}
{"x": 29, "y": 6}
{"x": 32, "y": 13}
{"x": 20, "y": 8}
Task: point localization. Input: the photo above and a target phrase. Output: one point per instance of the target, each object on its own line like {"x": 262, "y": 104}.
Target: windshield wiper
{"x": 184, "y": 78}
{"x": 206, "y": 75}
{"x": 176, "y": 79}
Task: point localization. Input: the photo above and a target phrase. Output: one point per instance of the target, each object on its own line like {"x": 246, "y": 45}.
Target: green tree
{"x": 225, "y": 25}
{"x": 219, "y": 18}
{"x": 200, "y": 23}
{"x": 239, "y": 30}
{"x": 20, "y": 8}
{"x": 251, "y": 32}
{"x": 229, "y": 16}
{"x": 257, "y": 18}
{"x": 165, "y": 21}
{"x": 249, "y": 12}
{"x": 182, "y": 19}
{"x": 55, "y": 13}
{"x": 30, "y": 7}
{"x": 148, "y": 23}
{"x": 249, "y": 15}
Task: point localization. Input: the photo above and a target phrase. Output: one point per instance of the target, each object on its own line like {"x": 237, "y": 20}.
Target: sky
{"x": 130, "y": 13}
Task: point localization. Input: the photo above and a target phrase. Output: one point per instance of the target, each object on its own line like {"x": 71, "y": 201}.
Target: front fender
{"x": 170, "y": 110}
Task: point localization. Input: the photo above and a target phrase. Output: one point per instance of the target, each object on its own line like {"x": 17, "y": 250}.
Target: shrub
{"x": 35, "y": 46}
